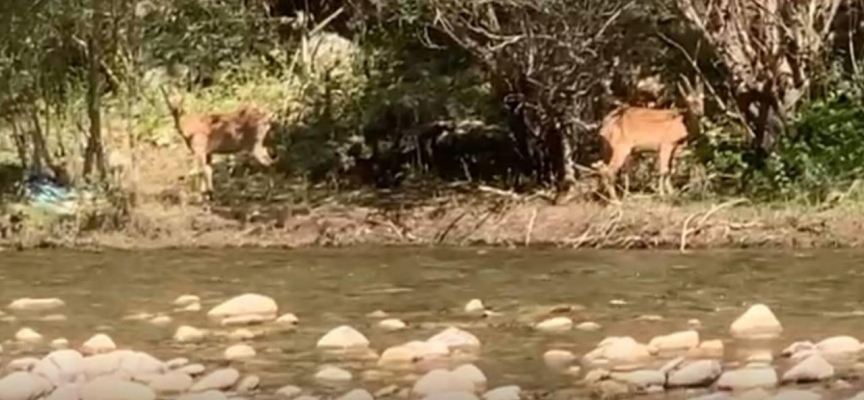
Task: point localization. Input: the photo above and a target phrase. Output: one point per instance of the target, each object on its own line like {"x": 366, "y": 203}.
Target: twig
{"x": 443, "y": 235}
{"x": 530, "y": 227}
{"x": 684, "y": 229}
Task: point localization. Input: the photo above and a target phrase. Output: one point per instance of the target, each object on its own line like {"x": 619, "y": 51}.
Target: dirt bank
{"x": 478, "y": 218}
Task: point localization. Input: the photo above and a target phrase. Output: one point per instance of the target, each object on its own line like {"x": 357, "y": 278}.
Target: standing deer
{"x": 628, "y": 129}
{"x": 241, "y": 131}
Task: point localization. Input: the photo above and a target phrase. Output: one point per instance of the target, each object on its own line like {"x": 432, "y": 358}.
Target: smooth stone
{"x": 622, "y": 352}
{"x": 248, "y": 384}
{"x": 192, "y": 369}
{"x": 793, "y": 394}
{"x": 758, "y": 322}
{"x": 588, "y": 326}
{"x": 22, "y": 364}
{"x": 839, "y": 346}
{"x": 68, "y": 364}
{"x": 748, "y": 378}
{"x": 441, "y": 381}
{"x": 69, "y": 391}
{"x": 242, "y": 334}
{"x": 685, "y": 340}
{"x": 343, "y": 337}
{"x": 21, "y": 385}
{"x": 287, "y": 319}
{"x": 356, "y": 394}
{"x": 472, "y": 374}
{"x": 455, "y": 338}
{"x": 696, "y": 373}
{"x": 245, "y": 304}
{"x": 457, "y": 395}
{"x": 392, "y": 324}
{"x": 216, "y": 380}
{"x": 100, "y": 343}
{"x": 288, "y": 392}
{"x": 188, "y": 334}
{"x": 511, "y": 392}
{"x": 475, "y": 306}
{"x": 60, "y": 344}
{"x": 28, "y": 304}
{"x": 239, "y": 352}
{"x": 28, "y": 335}
{"x": 558, "y": 359}
{"x": 813, "y": 368}
{"x": 161, "y": 320}
{"x": 186, "y": 300}
{"x": 640, "y": 379}
{"x": 708, "y": 349}
{"x": 171, "y": 382}
{"x": 206, "y": 395}
{"x": 333, "y": 374}
{"x": 178, "y": 362}
{"x": 557, "y": 324}
{"x": 108, "y": 388}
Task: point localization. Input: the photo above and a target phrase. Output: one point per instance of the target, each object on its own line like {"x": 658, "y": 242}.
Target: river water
{"x": 814, "y": 294}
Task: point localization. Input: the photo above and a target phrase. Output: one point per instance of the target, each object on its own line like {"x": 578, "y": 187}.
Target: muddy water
{"x": 814, "y": 294}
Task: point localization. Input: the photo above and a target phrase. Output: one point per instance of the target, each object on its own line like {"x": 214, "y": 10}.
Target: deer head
{"x": 694, "y": 95}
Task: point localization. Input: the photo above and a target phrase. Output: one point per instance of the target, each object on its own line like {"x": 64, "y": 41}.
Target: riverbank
{"x": 459, "y": 218}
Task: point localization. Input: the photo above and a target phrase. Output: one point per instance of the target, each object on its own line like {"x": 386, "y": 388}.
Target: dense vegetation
{"x": 503, "y": 92}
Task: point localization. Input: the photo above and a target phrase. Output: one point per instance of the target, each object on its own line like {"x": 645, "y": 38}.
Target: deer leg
{"x": 619, "y": 157}
{"x": 664, "y": 163}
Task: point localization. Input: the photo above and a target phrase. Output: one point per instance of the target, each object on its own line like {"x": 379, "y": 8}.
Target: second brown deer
{"x": 628, "y": 129}
{"x": 241, "y": 131}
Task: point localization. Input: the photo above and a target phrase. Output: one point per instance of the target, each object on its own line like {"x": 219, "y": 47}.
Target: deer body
{"x": 629, "y": 129}
{"x": 241, "y": 131}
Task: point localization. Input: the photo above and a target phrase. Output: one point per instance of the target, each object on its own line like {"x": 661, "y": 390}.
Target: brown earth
{"x": 245, "y": 213}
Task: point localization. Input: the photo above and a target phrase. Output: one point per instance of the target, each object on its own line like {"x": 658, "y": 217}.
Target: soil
{"x": 259, "y": 210}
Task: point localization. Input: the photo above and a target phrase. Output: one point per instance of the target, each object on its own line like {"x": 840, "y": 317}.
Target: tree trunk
{"x": 94, "y": 153}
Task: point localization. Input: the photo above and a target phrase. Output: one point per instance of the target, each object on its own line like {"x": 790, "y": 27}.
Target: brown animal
{"x": 241, "y": 131}
{"x": 628, "y": 129}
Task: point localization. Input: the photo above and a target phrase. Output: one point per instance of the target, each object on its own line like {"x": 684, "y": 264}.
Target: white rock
{"x": 192, "y": 369}
{"x": 59, "y": 344}
{"x": 696, "y": 373}
{"x": 511, "y": 392}
{"x": 188, "y": 334}
{"x": 685, "y": 340}
{"x": 102, "y": 364}
{"x": 287, "y": 319}
{"x": 27, "y": 304}
{"x": 356, "y": 394}
{"x": 641, "y": 379}
{"x": 139, "y": 363}
{"x": 22, "y": 364}
{"x": 246, "y": 305}
{"x": 248, "y": 384}
{"x": 161, "y": 320}
{"x": 441, "y": 381}
{"x": 206, "y": 395}
{"x": 838, "y": 345}
{"x": 813, "y": 368}
{"x": 108, "y": 388}
{"x": 288, "y": 392}
{"x": 475, "y": 306}
{"x": 239, "y": 352}
{"x": 333, "y": 374}
{"x": 22, "y": 386}
{"x": 408, "y": 353}
{"x": 186, "y": 300}
{"x": 758, "y": 322}
{"x": 472, "y": 374}
{"x": 100, "y": 343}
{"x": 558, "y": 359}
{"x": 391, "y": 324}
{"x": 216, "y": 380}
{"x": 455, "y": 338}
{"x": 178, "y": 362}
{"x": 457, "y": 395}
{"x": 747, "y": 378}
{"x": 171, "y": 382}
{"x": 28, "y": 335}
{"x": 343, "y": 337}
{"x": 249, "y": 319}
{"x": 194, "y": 307}
{"x": 624, "y": 352}
{"x": 69, "y": 391}
{"x": 588, "y": 326}
{"x": 242, "y": 334}
{"x": 557, "y": 324}
{"x": 69, "y": 365}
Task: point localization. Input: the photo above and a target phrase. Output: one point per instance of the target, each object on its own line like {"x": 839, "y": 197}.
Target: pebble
{"x": 28, "y": 304}
{"x": 245, "y": 305}
{"x": 111, "y": 388}
{"x": 188, "y": 334}
{"x": 333, "y": 375}
{"x": 100, "y": 343}
{"x": 356, "y": 394}
{"x": 28, "y": 335}
{"x": 392, "y": 324}
{"x": 216, "y": 380}
{"x": 192, "y": 369}
{"x": 455, "y": 338}
{"x": 171, "y": 382}
{"x": 161, "y": 320}
{"x": 685, "y": 340}
{"x": 558, "y": 359}
{"x": 441, "y": 381}
{"x": 473, "y": 374}
{"x": 59, "y": 343}
{"x": 475, "y": 306}
{"x": 288, "y": 392}
{"x": 343, "y": 337}
{"x": 186, "y": 300}
{"x": 511, "y": 392}
{"x": 248, "y": 384}
{"x": 748, "y": 378}
{"x": 287, "y": 319}
{"x": 758, "y": 322}
{"x": 696, "y": 373}
{"x": 557, "y": 324}
{"x": 588, "y": 326}
{"x": 813, "y": 368}
{"x": 239, "y": 352}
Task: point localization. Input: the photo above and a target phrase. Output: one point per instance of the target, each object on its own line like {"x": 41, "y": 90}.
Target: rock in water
{"x": 245, "y": 305}
{"x": 758, "y": 322}
{"x": 343, "y": 337}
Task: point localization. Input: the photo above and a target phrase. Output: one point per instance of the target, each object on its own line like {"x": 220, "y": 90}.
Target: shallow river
{"x": 814, "y": 295}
